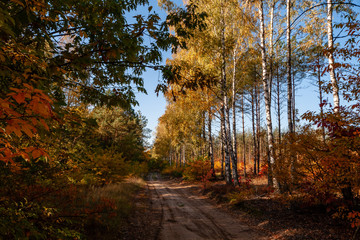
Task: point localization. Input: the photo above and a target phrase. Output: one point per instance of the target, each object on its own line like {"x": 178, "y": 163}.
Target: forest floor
{"x": 172, "y": 209}
{"x": 283, "y": 221}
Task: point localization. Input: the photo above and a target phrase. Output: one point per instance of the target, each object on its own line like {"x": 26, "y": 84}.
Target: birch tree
{"x": 335, "y": 87}
{"x": 270, "y": 138}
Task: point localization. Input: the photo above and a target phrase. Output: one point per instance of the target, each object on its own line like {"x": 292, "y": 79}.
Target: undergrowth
{"x": 117, "y": 201}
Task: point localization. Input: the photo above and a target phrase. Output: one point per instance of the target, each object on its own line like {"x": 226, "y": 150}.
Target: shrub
{"x": 197, "y": 169}
{"x": 173, "y": 171}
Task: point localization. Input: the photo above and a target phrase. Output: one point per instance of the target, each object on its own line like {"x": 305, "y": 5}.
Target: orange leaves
{"x": 13, "y": 129}
{"x": 8, "y": 153}
{"x": 22, "y": 112}
{"x": 28, "y": 108}
{"x": 43, "y": 123}
{"x": 354, "y": 218}
{"x": 35, "y": 152}
{"x": 19, "y": 98}
{"x": 19, "y": 126}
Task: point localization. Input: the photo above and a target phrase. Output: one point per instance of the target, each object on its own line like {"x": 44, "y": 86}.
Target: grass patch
{"x": 112, "y": 205}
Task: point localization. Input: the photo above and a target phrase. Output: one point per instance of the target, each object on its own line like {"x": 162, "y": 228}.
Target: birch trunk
{"x": 225, "y": 139}
{"x": 272, "y": 179}
{"x": 331, "y": 57}
{"x": 227, "y": 146}
{"x": 234, "y": 143}
{"x": 271, "y": 46}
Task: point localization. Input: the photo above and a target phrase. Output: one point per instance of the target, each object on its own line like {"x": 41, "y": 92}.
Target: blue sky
{"x": 150, "y": 105}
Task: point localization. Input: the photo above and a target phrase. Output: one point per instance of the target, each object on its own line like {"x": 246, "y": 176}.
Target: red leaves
{"x": 354, "y": 218}
{"x": 23, "y": 111}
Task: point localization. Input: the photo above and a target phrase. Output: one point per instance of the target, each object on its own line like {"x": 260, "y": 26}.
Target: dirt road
{"x": 186, "y": 215}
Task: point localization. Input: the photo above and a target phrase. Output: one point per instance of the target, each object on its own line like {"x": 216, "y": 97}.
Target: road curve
{"x": 187, "y": 216}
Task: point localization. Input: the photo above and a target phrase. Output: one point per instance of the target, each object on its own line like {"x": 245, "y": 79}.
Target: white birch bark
{"x": 271, "y": 45}
{"x": 331, "y": 57}
{"x": 270, "y": 136}
{"x": 226, "y": 131}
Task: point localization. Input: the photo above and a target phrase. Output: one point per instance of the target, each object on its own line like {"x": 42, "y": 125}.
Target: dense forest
{"x": 73, "y": 150}
{"x": 235, "y": 84}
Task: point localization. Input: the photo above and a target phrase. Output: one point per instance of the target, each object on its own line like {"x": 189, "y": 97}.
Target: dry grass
{"x": 120, "y": 193}
{"x": 259, "y": 181}
{"x": 117, "y": 204}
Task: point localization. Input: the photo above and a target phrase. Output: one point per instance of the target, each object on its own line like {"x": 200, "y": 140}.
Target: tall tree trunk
{"x": 331, "y": 57}
{"x": 231, "y": 150}
{"x": 211, "y": 147}
{"x": 243, "y": 132}
{"x": 258, "y": 128}
{"x": 222, "y": 150}
{"x": 226, "y": 144}
{"x": 224, "y": 117}
{"x": 291, "y": 87}
{"x": 272, "y": 179}
{"x": 288, "y": 68}
{"x": 271, "y": 46}
{"x": 320, "y": 98}
{"x": 253, "y": 100}
{"x": 271, "y": 70}
{"x": 234, "y": 143}
{"x": 293, "y": 102}
{"x": 278, "y": 97}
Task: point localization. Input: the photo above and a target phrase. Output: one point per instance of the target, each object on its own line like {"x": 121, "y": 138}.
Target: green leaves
{"x": 90, "y": 44}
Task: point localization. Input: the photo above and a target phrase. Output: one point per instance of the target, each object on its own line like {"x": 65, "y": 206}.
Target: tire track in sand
{"x": 187, "y": 216}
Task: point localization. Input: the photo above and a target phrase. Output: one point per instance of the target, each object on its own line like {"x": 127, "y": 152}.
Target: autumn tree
{"x": 57, "y": 58}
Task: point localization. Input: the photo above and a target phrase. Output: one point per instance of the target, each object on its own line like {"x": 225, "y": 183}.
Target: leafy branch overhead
{"x": 92, "y": 46}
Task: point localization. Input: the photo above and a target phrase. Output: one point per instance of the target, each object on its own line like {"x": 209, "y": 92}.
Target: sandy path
{"x": 186, "y": 215}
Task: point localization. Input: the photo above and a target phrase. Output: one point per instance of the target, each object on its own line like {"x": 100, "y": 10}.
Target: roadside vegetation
{"x": 72, "y": 147}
